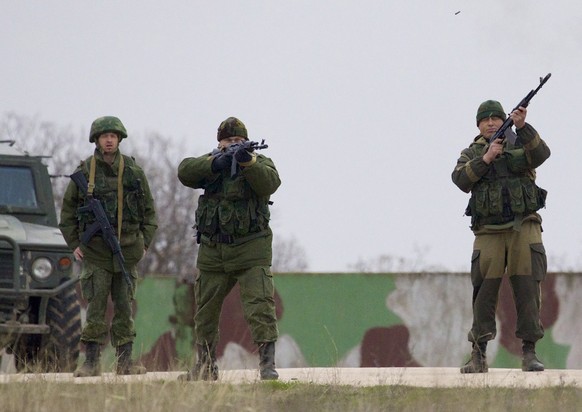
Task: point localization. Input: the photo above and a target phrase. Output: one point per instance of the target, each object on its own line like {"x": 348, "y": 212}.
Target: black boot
{"x": 267, "y": 361}
{"x": 205, "y": 368}
{"x": 92, "y": 365}
{"x": 530, "y": 362}
{"x": 478, "y": 361}
{"x": 125, "y": 365}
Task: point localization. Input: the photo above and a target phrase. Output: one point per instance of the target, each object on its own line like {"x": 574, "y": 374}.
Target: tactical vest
{"x": 106, "y": 192}
{"x": 507, "y": 192}
{"x": 231, "y": 208}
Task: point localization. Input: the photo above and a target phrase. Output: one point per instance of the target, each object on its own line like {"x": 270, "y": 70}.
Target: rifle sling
{"x": 120, "y": 195}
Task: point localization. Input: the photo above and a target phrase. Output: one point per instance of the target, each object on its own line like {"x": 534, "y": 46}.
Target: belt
{"x": 233, "y": 240}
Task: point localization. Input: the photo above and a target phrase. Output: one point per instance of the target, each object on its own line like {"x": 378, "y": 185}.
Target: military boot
{"x": 267, "y": 361}
{"x": 205, "y": 368}
{"x": 92, "y": 365}
{"x": 125, "y": 365}
{"x": 478, "y": 361}
{"x": 530, "y": 362}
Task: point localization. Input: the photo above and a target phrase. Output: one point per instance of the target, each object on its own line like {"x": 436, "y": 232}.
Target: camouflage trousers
{"x": 97, "y": 284}
{"x": 522, "y": 256}
{"x": 257, "y": 293}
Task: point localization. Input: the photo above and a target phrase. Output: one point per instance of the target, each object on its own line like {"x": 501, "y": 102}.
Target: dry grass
{"x": 275, "y": 396}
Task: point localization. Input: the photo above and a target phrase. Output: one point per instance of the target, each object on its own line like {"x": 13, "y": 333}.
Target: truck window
{"x": 17, "y": 187}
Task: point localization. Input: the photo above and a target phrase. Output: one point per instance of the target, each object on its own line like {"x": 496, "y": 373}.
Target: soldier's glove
{"x": 221, "y": 161}
{"x": 243, "y": 153}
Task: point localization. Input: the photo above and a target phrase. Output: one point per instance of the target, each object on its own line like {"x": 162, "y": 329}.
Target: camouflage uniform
{"x": 503, "y": 205}
{"x": 101, "y": 274}
{"x": 232, "y": 220}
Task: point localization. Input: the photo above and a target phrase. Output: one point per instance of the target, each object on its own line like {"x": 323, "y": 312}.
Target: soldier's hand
{"x": 242, "y": 155}
{"x": 78, "y": 254}
{"x": 221, "y": 161}
{"x": 518, "y": 117}
{"x": 495, "y": 149}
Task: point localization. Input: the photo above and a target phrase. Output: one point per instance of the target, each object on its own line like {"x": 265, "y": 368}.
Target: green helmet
{"x": 107, "y": 124}
{"x": 231, "y": 127}
{"x": 490, "y": 108}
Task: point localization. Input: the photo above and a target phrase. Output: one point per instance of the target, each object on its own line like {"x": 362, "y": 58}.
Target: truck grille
{"x": 6, "y": 282}
{"x": 6, "y": 269}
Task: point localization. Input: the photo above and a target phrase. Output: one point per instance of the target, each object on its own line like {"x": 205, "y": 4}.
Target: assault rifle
{"x": 500, "y": 134}
{"x": 249, "y": 147}
{"x": 101, "y": 224}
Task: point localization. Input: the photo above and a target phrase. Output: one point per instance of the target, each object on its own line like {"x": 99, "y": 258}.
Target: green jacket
{"x": 234, "y": 208}
{"x": 139, "y": 217}
{"x": 503, "y": 191}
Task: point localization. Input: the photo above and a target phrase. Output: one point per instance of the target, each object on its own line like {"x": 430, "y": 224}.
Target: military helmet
{"x": 231, "y": 127}
{"x": 490, "y": 108}
{"x": 107, "y": 124}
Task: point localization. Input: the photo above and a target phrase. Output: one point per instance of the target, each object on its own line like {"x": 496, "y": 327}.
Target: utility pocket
{"x": 268, "y": 285}
{"x": 495, "y": 199}
{"x": 530, "y": 195}
{"x": 133, "y": 278}
{"x": 481, "y": 202}
{"x": 263, "y": 215}
{"x": 109, "y": 202}
{"x": 206, "y": 215}
{"x": 131, "y": 205}
{"x": 539, "y": 261}
{"x": 516, "y": 196}
{"x": 133, "y": 213}
{"x": 243, "y": 217}
{"x": 235, "y": 188}
{"x": 226, "y": 217}
{"x": 129, "y": 237}
{"x": 476, "y": 276}
{"x": 87, "y": 288}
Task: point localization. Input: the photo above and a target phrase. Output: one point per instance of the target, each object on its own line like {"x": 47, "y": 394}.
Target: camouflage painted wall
{"x": 359, "y": 320}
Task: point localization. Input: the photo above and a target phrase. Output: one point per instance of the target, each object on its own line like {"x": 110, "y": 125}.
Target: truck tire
{"x": 25, "y": 352}
{"x": 59, "y": 350}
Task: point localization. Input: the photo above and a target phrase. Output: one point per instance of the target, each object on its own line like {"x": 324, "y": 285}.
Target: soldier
{"x": 508, "y": 235}
{"x": 232, "y": 222}
{"x": 121, "y": 186}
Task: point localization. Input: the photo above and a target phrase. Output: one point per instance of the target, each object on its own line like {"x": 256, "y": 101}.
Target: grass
{"x": 276, "y": 396}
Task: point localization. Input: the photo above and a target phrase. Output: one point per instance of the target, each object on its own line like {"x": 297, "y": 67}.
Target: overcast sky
{"x": 365, "y": 105}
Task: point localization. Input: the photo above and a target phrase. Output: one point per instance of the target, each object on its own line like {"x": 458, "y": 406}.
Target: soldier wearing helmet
{"x": 107, "y": 124}
{"x": 500, "y": 175}
{"x": 232, "y": 223}
{"x": 122, "y": 188}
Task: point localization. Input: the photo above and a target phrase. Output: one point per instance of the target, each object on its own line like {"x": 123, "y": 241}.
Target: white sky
{"x": 366, "y": 105}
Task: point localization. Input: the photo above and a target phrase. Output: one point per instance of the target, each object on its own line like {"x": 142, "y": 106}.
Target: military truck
{"x": 40, "y": 311}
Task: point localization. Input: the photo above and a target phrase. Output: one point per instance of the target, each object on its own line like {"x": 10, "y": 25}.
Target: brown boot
{"x": 530, "y": 362}
{"x": 92, "y": 365}
{"x": 478, "y": 361}
{"x": 267, "y": 361}
{"x": 205, "y": 368}
{"x": 125, "y": 365}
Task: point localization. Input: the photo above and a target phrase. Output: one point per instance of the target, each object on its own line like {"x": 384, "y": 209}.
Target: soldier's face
{"x": 108, "y": 143}
{"x": 489, "y": 126}
{"x": 224, "y": 143}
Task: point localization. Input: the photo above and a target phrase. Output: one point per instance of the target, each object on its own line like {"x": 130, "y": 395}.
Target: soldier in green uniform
{"x": 232, "y": 222}
{"x": 508, "y": 235}
{"x": 122, "y": 188}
